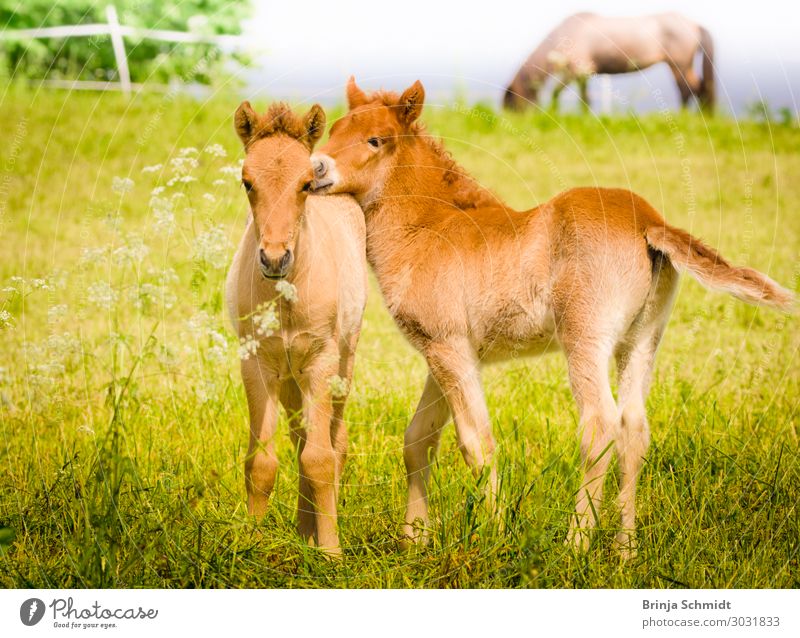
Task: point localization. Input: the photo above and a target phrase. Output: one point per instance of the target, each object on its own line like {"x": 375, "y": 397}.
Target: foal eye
{"x": 248, "y": 186}
{"x": 306, "y": 187}
{"x": 374, "y": 142}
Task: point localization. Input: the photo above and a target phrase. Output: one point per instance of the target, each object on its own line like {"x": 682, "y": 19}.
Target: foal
{"x": 468, "y": 280}
{"x": 316, "y": 245}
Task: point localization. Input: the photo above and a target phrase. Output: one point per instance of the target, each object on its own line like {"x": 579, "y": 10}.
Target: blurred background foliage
{"x": 92, "y": 58}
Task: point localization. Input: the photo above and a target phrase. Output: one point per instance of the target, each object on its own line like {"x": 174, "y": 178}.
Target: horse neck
{"x": 421, "y": 187}
{"x": 534, "y": 71}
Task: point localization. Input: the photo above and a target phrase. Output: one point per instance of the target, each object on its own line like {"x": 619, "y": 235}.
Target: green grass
{"x": 123, "y": 434}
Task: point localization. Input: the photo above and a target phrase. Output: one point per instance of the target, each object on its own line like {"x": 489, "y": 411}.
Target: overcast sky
{"x": 310, "y": 48}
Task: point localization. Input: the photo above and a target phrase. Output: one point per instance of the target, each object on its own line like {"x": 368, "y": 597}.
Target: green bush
{"x": 92, "y": 58}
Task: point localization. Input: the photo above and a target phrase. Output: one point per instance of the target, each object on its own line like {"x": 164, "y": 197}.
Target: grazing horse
{"x": 586, "y": 44}
{"x": 306, "y": 255}
{"x": 468, "y": 280}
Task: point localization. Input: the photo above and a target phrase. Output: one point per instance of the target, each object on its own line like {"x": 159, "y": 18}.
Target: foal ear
{"x": 245, "y": 121}
{"x": 314, "y": 124}
{"x": 355, "y": 96}
{"x": 410, "y": 105}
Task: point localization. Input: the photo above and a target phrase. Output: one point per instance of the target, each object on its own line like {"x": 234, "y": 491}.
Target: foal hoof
{"x": 331, "y": 553}
{"x": 579, "y": 539}
{"x": 626, "y": 544}
{"x": 413, "y": 537}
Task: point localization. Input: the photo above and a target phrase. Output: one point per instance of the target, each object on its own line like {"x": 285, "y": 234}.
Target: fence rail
{"x": 117, "y": 32}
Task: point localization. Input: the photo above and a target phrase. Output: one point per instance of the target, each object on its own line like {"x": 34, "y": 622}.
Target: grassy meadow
{"x": 123, "y": 424}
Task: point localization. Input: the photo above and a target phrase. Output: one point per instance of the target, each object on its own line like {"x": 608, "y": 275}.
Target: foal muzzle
{"x": 275, "y": 268}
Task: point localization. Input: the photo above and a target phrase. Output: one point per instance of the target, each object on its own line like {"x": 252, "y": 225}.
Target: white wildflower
{"x": 212, "y": 247}
{"x": 187, "y": 179}
{"x": 58, "y": 278}
{"x": 152, "y": 169}
{"x": 217, "y": 352}
{"x": 199, "y": 323}
{"x": 164, "y": 221}
{"x": 209, "y": 198}
{"x": 236, "y": 171}
{"x": 6, "y": 319}
{"x": 56, "y": 313}
{"x": 122, "y": 185}
{"x": 286, "y": 290}
{"x": 247, "y": 347}
{"x": 219, "y": 182}
{"x": 203, "y": 393}
{"x": 157, "y": 190}
{"x": 163, "y": 213}
{"x": 166, "y": 276}
{"x": 40, "y": 284}
{"x": 92, "y": 255}
{"x": 187, "y": 151}
{"x": 183, "y": 165}
{"x": 148, "y": 296}
{"x": 102, "y": 295}
{"x": 339, "y": 387}
{"x": 265, "y": 319}
{"x": 134, "y": 250}
{"x": 215, "y": 150}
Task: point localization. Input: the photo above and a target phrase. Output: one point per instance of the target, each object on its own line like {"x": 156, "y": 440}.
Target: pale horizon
{"x": 454, "y": 50}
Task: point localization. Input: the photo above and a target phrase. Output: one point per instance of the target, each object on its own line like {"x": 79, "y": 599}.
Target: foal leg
{"x": 318, "y": 458}
{"x": 292, "y": 400}
{"x": 338, "y": 424}
{"x": 634, "y": 365}
{"x": 588, "y": 374}
{"x": 421, "y": 444}
{"x": 454, "y": 367}
{"x": 261, "y": 464}
{"x": 635, "y": 358}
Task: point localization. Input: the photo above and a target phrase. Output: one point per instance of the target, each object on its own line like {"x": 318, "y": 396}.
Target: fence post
{"x": 119, "y": 49}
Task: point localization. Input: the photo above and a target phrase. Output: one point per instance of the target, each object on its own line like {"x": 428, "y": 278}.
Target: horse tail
{"x": 689, "y": 254}
{"x": 707, "y": 94}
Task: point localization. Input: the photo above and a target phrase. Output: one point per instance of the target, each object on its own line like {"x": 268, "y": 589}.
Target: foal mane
{"x": 460, "y": 186}
{"x": 280, "y": 119}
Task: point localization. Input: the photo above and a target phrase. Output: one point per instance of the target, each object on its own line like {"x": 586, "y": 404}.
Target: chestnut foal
{"x": 317, "y": 245}
{"x": 468, "y": 280}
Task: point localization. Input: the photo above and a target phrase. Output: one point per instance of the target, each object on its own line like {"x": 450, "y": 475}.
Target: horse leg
{"x": 261, "y": 463}
{"x": 635, "y": 365}
{"x": 421, "y": 444}
{"x": 635, "y": 357}
{"x": 318, "y": 457}
{"x": 681, "y": 79}
{"x": 557, "y": 89}
{"x": 583, "y": 86}
{"x": 292, "y": 401}
{"x": 454, "y": 366}
{"x": 587, "y": 358}
{"x": 338, "y": 424}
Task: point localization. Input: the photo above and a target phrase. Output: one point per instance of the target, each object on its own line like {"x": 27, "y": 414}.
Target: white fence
{"x": 118, "y": 32}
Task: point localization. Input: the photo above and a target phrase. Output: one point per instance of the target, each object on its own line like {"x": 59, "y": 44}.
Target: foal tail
{"x": 705, "y": 264}
{"x": 706, "y": 93}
